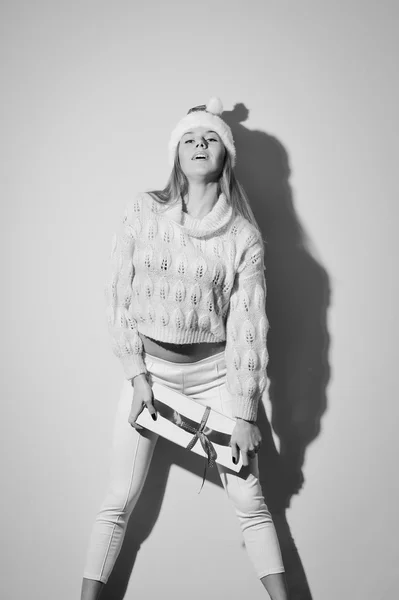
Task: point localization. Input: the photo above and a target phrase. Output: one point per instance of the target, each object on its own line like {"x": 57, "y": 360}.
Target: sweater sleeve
{"x": 246, "y": 331}
{"x": 126, "y": 341}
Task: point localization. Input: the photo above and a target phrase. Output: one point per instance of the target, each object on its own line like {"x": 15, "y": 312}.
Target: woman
{"x": 186, "y": 308}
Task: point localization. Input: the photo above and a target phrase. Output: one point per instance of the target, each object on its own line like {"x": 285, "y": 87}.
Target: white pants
{"x": 205, "y": 382}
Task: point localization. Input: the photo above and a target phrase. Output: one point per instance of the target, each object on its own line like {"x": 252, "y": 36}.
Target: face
{"x": 209, "y": 144}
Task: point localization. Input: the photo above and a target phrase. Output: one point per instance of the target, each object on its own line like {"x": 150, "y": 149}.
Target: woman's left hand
{"x": 246, "y": 438}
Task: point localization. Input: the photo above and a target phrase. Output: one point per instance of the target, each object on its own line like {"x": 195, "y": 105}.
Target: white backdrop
{"x": 90, "y": 93}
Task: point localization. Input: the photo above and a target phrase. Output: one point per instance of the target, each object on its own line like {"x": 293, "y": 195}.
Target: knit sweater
{"x": 181, "y": 279}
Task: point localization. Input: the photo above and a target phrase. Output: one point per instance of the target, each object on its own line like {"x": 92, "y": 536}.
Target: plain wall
{"x": 90, "y": 93}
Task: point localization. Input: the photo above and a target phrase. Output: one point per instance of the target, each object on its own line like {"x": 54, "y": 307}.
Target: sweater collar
{"x": 216, "y": 219}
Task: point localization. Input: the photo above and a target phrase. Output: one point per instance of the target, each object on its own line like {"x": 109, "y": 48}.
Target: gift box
{"x": 191, "y": 425}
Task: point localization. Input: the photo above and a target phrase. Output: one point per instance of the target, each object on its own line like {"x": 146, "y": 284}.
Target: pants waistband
{"x": 208, "y": 359}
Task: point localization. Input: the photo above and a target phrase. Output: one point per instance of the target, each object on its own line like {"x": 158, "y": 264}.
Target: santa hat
{"x": 205, "y": 115}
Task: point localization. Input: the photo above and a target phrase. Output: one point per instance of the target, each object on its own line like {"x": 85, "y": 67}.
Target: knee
{"x": 119, "y": 501}
{"x": 250, "y": 506}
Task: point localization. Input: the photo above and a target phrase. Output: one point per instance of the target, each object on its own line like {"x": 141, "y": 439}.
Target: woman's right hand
{"x": 142, "y": 397}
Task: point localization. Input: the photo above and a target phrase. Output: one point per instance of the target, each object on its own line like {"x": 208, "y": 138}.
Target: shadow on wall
{"x": 298, "y": 296}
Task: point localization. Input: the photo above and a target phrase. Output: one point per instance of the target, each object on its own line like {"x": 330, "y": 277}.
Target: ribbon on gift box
{"x": 205, "y": 435}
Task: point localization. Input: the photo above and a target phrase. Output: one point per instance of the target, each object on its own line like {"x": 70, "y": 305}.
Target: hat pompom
{"x": 215, "y": 106}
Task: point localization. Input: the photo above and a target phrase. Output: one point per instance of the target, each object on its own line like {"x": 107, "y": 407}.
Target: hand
{"x": 246, "y": 438}
{"x": 142, "y": 397}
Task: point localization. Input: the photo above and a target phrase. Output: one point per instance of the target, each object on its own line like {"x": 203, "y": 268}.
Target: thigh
{"x": 131, "y": 450}
{"x": 243, "y": 488}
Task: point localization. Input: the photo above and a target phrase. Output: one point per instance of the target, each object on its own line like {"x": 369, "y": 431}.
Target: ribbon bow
{"x": 205, "y": 442}
{"x": 205, "y": 435}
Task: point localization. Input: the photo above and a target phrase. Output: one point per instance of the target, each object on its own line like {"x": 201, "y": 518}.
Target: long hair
{"x": 228, "y": 184}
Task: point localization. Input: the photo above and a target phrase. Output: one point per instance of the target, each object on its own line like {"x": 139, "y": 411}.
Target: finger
{"x": 255, "y": 449}
{"x": 235, "y": 453}
{"x": 132, "y": 420}
{"x": 133, "y": 416}
{"x": 152, "y": 411}
{"x": 137, "y": 426}
{"x": 245, "y": 460}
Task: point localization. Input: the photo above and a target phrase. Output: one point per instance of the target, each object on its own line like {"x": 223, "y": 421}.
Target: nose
{"x": 201, "y": 142}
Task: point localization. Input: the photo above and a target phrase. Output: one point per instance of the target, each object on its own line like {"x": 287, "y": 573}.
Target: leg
{"x": 259, "y": 533}
{"x": 131, "y": 456}
{"x": 205, "y": 382}
{"x": 91, "y": 589}
{"x": 275, "y": 585}
{"x": 260, "y": 537}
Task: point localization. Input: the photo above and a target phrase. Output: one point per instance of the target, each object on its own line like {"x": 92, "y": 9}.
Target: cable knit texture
{"x": 180, "y": 279}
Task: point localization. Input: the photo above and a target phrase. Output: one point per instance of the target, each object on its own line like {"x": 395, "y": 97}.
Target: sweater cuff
{"x": 246, "y": 410}
{"x": 133, "y": 365}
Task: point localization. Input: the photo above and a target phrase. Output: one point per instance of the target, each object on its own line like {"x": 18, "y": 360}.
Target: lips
{"x": 203, "y": 154}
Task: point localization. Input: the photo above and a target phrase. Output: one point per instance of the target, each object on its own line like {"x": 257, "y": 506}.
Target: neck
{"x": 200, "y": 198}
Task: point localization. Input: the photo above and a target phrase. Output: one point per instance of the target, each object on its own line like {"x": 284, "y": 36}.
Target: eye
{"x": 209, "y": 140}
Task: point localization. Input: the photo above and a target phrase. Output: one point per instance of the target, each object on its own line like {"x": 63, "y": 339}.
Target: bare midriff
{"x": 182, "y": 353}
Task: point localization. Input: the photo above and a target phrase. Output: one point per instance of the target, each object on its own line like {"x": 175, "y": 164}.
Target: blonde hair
{"x": 228, "y": 184}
